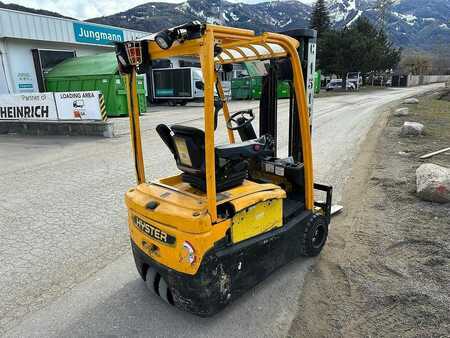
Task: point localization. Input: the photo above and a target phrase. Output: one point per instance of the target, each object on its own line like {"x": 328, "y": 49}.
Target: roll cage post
{"x": 207, "y": 64}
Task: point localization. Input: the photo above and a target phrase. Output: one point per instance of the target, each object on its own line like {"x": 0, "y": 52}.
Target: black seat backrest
{"x": 189, "y": 147}
{"x": 164, "y": 132}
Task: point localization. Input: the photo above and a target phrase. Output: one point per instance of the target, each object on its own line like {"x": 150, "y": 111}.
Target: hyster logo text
{"x": 153, "y": 231}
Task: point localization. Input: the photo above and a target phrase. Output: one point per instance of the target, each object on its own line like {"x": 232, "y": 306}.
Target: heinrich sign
{"x": 36, "y": 106}
{"x": 96, "y": 34}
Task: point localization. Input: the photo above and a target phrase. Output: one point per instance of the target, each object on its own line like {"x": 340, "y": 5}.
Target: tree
{"x": 418, "y": 64}
{"x": 320, "y": 18}
{"x": 360, "y": 47}
{"x": 320, "y": 21}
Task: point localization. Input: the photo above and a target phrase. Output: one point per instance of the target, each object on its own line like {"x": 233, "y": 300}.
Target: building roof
{"x": 100, "y": 64}
{"x": 22, "y": 25}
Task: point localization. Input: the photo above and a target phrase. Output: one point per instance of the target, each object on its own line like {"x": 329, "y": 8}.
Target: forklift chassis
{"x": 228, "y": 271}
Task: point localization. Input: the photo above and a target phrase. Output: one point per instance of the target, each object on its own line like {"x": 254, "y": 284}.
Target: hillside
{"x": 275, "y": 15}
{"x": 412, "y": 23}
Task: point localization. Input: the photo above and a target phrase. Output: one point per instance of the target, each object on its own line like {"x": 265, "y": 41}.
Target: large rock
{"x": 401, "y": 112}
{"x": 433, "y": 183}
{"x": 412, "y": 129}
{"x": 411, "y": 100}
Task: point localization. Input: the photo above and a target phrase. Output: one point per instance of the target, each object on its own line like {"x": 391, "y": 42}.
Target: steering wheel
{"x": 240, "y": 119}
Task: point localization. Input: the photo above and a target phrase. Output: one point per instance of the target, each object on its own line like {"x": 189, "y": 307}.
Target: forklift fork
{"x": 326, "y": 206}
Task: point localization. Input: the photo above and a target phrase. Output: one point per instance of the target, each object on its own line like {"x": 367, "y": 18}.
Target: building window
{"x": 45, "y": 60}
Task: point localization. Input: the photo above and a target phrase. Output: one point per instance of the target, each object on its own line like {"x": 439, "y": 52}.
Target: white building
{"x": 31, "y": 44}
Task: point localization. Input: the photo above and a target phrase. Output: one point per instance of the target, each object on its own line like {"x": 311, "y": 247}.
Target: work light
{"x": 188, "y": 31}
{"x": 163, "y": 39}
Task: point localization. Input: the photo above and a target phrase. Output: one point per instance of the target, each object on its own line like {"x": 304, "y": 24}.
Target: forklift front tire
{"x": 314, "y": 236}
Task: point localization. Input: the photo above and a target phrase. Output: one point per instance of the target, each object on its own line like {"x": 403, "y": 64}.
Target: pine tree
{"x": 360, "y": 47}
{"x": 320, "y": 18}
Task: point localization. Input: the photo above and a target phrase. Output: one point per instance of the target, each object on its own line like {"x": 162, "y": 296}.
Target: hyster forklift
{"x": 236, "y": 212}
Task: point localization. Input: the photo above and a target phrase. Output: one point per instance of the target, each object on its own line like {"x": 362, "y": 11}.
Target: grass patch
{"x": 434, "y": 114}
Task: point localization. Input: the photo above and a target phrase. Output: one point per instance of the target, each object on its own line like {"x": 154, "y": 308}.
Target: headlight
{"x": 187, "y": 254}
{"x": 164, "y": 40}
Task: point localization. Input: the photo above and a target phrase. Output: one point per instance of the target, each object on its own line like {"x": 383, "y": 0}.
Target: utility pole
{"x": 218, "y": 4}
{"x": 383, "y": 9}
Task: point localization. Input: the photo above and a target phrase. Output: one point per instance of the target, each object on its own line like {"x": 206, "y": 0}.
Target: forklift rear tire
{"x": 314, "y": 236}
{"x": 150, "y": 280}
{"x": 164, "y": 291}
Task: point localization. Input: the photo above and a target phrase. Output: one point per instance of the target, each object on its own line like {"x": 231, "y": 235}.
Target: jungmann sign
{"x": 98, "y": 35}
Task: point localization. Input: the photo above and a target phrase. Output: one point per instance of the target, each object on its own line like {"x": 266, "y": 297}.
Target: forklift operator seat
{"x": 187, "y": 145}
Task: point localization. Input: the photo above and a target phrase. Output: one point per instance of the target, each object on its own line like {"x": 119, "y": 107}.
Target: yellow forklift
{"x": 236, "y": 212}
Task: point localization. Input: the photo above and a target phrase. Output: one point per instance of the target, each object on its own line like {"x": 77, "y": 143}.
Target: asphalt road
{"x": 66, "y": 267}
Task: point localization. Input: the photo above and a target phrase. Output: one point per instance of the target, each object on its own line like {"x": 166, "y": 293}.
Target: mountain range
{"x": 415, "y": 24}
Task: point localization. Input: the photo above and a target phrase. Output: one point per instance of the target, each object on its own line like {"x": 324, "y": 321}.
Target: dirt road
{"x": 386, "y": 269}
{"x": 66, "y": 264}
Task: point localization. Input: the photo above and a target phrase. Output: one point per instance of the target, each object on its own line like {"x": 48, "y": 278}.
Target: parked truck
{"x": 177, "y": 85}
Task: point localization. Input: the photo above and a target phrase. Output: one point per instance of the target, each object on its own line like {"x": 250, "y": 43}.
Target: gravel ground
{"x": 386, "y": 269}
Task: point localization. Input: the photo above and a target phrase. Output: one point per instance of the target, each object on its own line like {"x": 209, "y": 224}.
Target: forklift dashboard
{"x": 257, "y": 148}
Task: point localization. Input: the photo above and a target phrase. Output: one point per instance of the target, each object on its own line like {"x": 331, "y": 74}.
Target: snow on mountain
{"x": 411, "y": 23}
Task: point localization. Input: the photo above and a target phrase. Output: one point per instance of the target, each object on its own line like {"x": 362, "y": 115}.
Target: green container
{"x": 241, "y": 88}
{"x": 251, "y": 87}
{"x": 317, "y": 81}
{"x": 98, "y": 72}
{"x": 256, "y": 87}
{"x": 283, "y": 89}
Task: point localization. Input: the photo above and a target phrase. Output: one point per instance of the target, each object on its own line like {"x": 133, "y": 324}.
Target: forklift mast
{"x": 277, "y": 71}
{"x": 268, "y": 105}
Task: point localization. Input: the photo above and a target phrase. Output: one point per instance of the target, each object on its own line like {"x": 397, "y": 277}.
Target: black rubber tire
{"x": 183, "y": 103}
{"x": 172, "y": 103}
{"x": 164, "y": 292}
{"x": 314, "y": 236}
{"x": 150, "y": 281}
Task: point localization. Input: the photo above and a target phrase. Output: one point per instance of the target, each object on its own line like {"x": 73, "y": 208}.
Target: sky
{"x": 85, "y": 9}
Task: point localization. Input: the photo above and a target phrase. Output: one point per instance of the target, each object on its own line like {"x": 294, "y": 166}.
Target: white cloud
{"x": 85, "y": 9}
